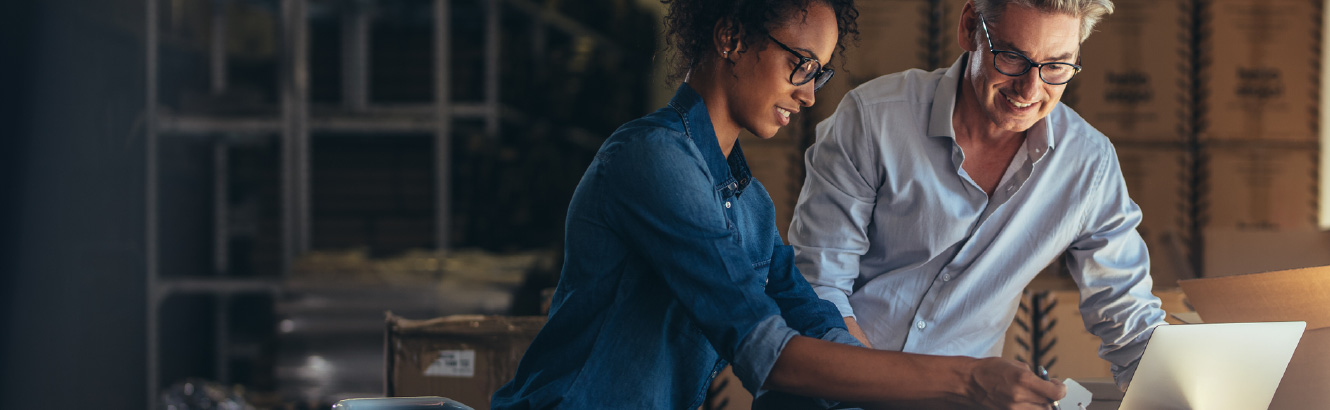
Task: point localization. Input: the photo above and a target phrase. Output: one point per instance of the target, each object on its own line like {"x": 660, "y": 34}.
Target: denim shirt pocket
{"x": 762, "y": 270}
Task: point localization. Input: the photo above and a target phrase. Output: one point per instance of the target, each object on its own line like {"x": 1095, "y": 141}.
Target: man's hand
{"x": 856, "y": 331}
{"x": 997, "y": 383}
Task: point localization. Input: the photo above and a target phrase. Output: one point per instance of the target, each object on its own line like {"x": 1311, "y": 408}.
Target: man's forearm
{"x": 818, "y": 368}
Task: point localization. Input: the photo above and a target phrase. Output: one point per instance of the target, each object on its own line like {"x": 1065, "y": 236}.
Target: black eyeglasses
{"x": 808, "y": 69}
{"x": 1016, "y": 64}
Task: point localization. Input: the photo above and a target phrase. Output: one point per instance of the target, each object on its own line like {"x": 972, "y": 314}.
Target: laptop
{"x": 1220, "y": 366}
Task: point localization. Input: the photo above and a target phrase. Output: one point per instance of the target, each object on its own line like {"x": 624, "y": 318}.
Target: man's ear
{"x": 727, "y": 37}
{"x": 968, "y": 28}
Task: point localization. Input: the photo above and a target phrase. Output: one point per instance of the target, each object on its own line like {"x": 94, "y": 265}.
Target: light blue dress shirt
{"x": 895, "y": 233}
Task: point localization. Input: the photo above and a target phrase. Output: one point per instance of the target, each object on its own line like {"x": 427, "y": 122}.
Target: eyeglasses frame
{"x": 1029, "y": 63}
{"x": 804, "y": 60}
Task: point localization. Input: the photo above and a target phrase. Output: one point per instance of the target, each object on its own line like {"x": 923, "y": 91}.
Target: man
{"x": 933, "y": 198}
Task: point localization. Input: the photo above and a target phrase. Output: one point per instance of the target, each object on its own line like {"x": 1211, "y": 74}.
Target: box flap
{"x": 1290, "y": 295}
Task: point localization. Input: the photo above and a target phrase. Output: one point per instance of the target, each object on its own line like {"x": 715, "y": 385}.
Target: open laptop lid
{"x": 1212, "y": 366}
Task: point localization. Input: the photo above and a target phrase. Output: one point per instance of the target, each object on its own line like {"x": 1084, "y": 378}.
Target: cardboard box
{"x": 1263, "y": 73}
{"x": 1261, "y": 188}
{"x": 1291, "y": 295}
{"x": 948, "y": 48}
{"x": 893, "y": 36}
{"x": 1136, "y": 76}
{"x": 464, "y": 358}
{"x": 1234, "y": 251}
{"x": 1157, "y": 181}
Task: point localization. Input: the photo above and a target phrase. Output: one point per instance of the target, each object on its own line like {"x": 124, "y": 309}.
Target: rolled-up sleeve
{"x": 1111, "y": 265}
{"x": 829, "y": 231}
{"x": 669, "y": 208}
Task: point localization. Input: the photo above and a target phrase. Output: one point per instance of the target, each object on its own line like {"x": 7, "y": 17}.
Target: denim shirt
{"x": 673, "y": 267}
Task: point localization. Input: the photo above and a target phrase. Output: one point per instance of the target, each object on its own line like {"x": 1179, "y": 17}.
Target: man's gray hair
{"x": 1090, "y": 11}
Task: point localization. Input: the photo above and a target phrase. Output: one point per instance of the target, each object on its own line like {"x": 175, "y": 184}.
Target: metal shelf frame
{"x": 294, "y": 121}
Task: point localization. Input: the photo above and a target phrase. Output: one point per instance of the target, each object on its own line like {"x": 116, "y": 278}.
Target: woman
{"x": 673, "y": 266}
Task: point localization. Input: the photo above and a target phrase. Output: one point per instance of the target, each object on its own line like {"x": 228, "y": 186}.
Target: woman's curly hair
{"x": 689, "y": 24}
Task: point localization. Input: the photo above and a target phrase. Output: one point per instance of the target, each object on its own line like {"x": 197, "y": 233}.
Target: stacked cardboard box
{"x": 1259, "y": 120}
{"x": 893, "y": 36}
{"x": 1135, "y": 88}
{"x": 1134, "y": 85}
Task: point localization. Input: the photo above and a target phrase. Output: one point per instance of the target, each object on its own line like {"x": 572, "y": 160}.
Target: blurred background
{"x": 231, "y": 193}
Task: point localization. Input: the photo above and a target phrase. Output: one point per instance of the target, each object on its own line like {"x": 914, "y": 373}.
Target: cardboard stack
{"x": 1258, "y": 130}
{"x": 893, "y": 36}
{"x": 1135, "y": 88}
{"x": 464, "y": 358}
{"x": 1292, "y": 295}
{"x": 1134, "y": 85}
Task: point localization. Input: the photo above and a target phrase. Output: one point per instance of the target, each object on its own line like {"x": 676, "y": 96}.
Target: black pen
{"x": 1043, "y": 374}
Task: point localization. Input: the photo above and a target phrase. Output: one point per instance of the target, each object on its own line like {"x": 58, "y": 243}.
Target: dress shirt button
{"x": 946, "y": 277}
{"x": 727, "y": 204}
{"x": 921, "y": 325}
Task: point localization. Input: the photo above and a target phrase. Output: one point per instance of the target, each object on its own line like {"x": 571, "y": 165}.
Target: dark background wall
{"x": 73, "y": 318}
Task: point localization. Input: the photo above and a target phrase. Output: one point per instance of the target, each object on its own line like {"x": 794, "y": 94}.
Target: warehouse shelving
{"x": 294, "y": 120}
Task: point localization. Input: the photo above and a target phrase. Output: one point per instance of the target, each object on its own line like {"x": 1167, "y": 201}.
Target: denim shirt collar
{"x": 730, "y": 175}
{"x": 1039, "y": 138}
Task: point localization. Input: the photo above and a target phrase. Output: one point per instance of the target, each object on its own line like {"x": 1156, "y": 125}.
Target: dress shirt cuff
{"x": 758, "y": 352}
{"x": 836, "y": 297}
{"x": 1123, "y": 375}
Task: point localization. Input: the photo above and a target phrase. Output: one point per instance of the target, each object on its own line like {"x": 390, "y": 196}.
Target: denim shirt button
{"x": 921, "y": 325}
{"x": 727, "y": 204}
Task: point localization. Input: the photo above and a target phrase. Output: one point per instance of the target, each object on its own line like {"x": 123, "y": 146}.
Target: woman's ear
{"x": 968, "y": 28}
{"x": 727, "y": 38}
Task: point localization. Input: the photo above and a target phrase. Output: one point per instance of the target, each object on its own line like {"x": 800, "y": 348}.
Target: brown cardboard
{"x": 464, "y": 358}
{"x": 1156, "y": 181}
{"x": 1135, "y": 76}
{"x": 1291, "y": 295}
{"x": 1261, "y": 188}
{"x": 1235, "y": 251}
{"x": 1261, "y": 80}
{"x": 893, "y": 37}
{"x": 948, "y": 48}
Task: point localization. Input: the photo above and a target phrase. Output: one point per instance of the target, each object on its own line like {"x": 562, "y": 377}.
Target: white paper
{"x": 1078, "y": 398}
{"x": 453, "y": 363}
